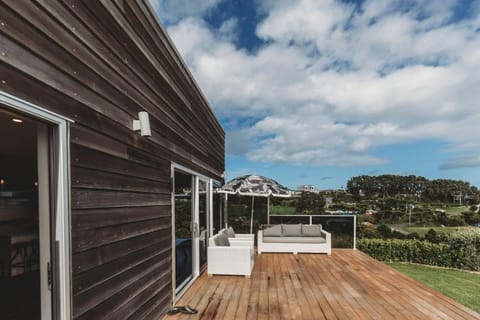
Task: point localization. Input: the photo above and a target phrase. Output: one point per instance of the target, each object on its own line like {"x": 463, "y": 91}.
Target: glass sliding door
{"x": 183, "y": 228}
{"x": 34, "y": 209}
{"x": 191, "y": 225}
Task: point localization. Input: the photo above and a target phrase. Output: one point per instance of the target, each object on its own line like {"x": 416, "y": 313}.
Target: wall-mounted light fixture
{"x": 17, "y": 120}
{"x": 142, "y": 124}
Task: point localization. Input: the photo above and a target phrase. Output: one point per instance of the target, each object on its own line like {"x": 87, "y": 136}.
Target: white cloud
{"x": 331, "y": 83}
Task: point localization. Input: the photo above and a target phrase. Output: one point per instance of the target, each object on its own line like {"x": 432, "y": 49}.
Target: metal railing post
{"x": 355, "y": 232}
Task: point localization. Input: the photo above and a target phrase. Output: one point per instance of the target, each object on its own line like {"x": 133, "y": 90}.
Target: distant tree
{"x": 367, "y": 232}
{"x": 413, "y": 235}
{"x": 432, "y": 236}
{"x": 413, "y": 187}
{"x": 418, "y": 216}
{"x": 455, "y": 221}
{"x": 385, "y": 231}
{"x": 440, "y": 217}
{"x": 310, "y": 203}
{"x": 471, "y": 217}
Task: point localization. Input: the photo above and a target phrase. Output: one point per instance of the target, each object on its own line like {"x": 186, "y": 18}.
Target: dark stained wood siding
{"x": 100, "y": 63}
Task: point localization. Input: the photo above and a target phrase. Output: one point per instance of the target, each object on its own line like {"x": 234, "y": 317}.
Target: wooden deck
{"x": 346, "y": 285}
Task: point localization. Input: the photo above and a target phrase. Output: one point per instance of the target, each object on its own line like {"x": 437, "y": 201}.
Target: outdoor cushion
{"x": 314, "y": 230}
{"x": 230, "y": 233}
{"x": 294, "y": 240}
{"x": 221, "y": 240}
{"x": 291, "y": 230}
{"x": 274, "y": 231}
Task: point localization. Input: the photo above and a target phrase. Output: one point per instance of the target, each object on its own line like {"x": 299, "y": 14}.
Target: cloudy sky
{"x": 317, "y": 91}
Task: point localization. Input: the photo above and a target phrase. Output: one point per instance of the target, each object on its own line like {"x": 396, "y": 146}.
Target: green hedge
{"x": 458, "y": 250}
{"x": 465, "y": 249}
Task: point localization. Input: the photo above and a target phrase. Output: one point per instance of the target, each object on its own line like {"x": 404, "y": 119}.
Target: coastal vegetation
{"x": 459, "y": 249}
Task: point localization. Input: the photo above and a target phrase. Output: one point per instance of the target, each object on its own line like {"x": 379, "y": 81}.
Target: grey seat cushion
{"x": 294, "y": 240}
{"x": 221, "y": 240}
{"x": 314, "y": 230}
{"x": 230, "y": 232}
{"x": 291, "y": 230}
{"x": 274, "y": 231}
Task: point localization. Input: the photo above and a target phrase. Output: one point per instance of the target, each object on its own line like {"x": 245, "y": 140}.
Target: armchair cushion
{"x": 230, "y": 232}
{"x": 221, "y": 240}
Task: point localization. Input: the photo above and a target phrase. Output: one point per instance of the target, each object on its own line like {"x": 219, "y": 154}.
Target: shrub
{"x": 367, "y": 232}
{"x": 457, "y": 250}
{"x": 471, "y": 217}
{"x": 413, "y": 235}
{"x": 465, "y": 249}
{"x": 455, "y": 221}
{"x": 432, "y": 236}
{"x": 405, "y": 250}
{"x": 385, "y": 231}
{"x": 398, "y": 235}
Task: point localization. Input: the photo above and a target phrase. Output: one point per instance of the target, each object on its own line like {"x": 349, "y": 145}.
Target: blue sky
{"x": 315, "y": 92}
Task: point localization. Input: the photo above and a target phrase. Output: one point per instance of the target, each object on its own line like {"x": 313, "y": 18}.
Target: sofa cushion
{"x": 314, "y": 230}
{"x": 230, "y": 233}
{"x": 291, "y": 230}
{"x": 221, "y": 240}
{"x": 274, "y": 231}
{"x": 294, "y": 240}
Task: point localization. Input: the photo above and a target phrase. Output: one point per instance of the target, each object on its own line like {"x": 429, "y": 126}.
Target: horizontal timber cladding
{"x": 100, "y": 63}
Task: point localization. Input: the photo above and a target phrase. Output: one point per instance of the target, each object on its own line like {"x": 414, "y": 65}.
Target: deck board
{"x": 346, "y": 285}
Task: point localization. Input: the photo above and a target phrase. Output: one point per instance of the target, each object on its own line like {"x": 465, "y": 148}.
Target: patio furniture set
{"x": 230, "y": 253}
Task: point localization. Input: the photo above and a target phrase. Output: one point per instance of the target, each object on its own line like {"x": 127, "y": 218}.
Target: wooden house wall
{"x": 100, "y": 63}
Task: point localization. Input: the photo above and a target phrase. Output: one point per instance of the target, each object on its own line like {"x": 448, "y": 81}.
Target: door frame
{"x": 60, "y": 124}
{"x": 208, "y": 213}
{"x": 195, "y": 245}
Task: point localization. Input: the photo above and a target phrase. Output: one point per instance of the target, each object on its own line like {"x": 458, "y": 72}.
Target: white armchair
{"x": 235, "y": 237}
{"x": 234, "y": 259}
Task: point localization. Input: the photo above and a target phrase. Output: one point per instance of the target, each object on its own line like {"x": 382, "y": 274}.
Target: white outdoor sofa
{"x": 294, "y": 238}
{"x": 229, "y": 258}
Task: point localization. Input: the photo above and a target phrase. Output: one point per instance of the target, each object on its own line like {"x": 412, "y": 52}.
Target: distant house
{"x": 370, "y": 212}
{"x": 307, "y": 188}
{"x": 331, "y": 191}
{"x": 108, "y": 155}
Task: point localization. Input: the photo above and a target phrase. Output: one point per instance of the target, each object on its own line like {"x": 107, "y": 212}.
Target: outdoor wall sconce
{"x": 142, "y": 124}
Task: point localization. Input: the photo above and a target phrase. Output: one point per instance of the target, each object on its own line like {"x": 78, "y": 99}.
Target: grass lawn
{"x": 461, "y": 286}
{"x": 456, "y": 210}
{"x": 282, "y": 210}
{"x": 423, "y": 230}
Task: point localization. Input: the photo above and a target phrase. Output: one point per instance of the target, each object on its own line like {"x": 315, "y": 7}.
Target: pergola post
{"x": 268, "y": 210}
{"x": 251, "y": 215}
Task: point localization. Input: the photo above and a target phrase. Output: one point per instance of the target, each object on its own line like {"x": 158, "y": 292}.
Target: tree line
{"x": 421, "y": 188}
